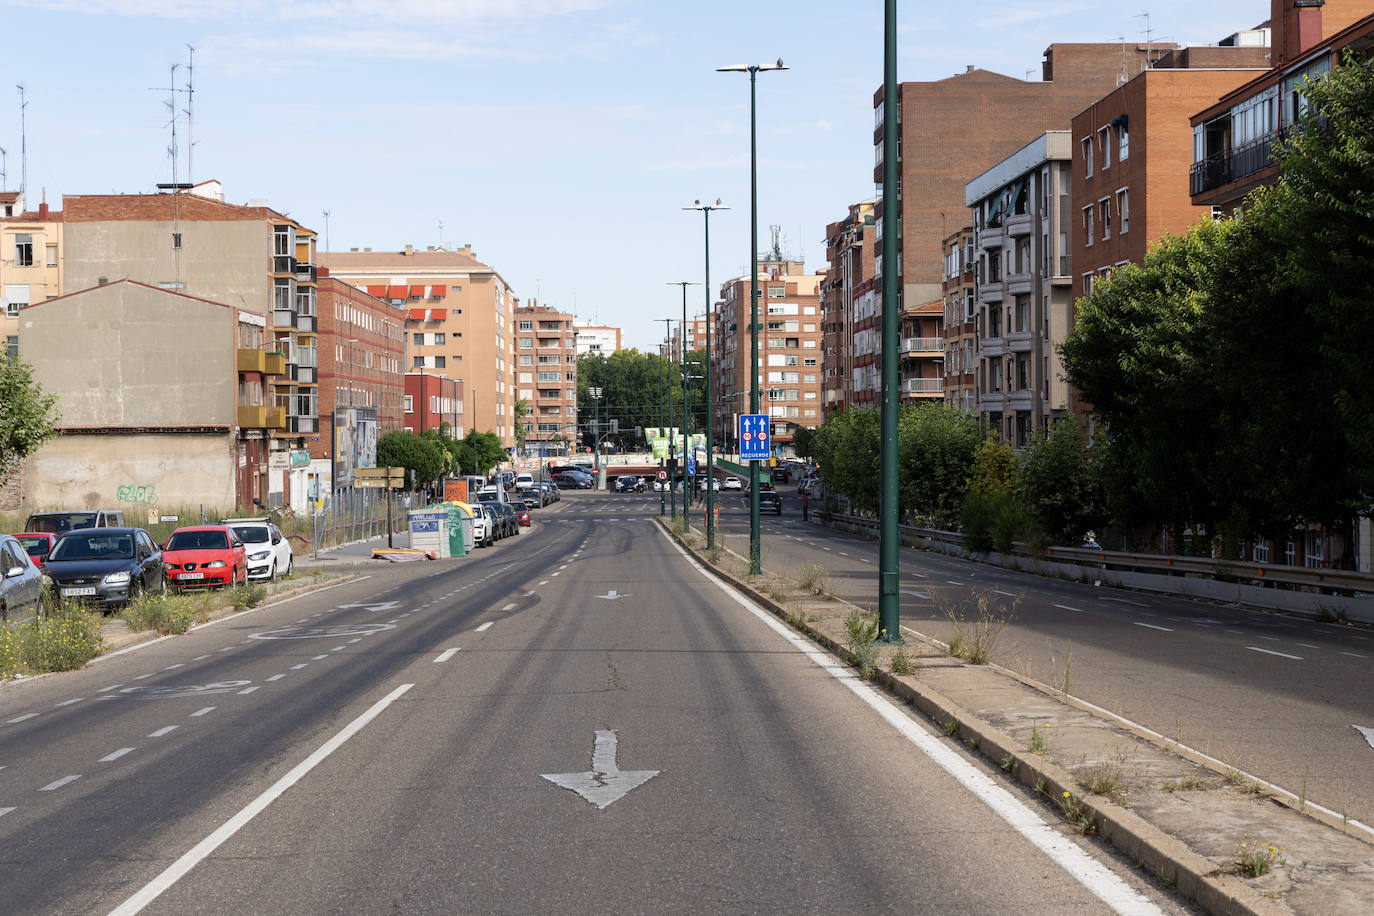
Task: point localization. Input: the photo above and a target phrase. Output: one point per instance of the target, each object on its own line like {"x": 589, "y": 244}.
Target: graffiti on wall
{"x": 136, "y": 493}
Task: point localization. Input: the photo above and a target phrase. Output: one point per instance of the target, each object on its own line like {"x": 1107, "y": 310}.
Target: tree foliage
{"x": 993, "y": 468}
{"x": 478, "y": 453}
{"x": 638, "y": 390}
{"x": 847, "y": 451}
{"x": 418, "y": 454}
{"x": 1060, "y": 485}
{"x": 28, "y": 416}
{"x": 935, "y": 447}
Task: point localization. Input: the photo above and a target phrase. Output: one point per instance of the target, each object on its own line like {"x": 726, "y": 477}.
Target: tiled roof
{"x": 8, "y": 197}
{"x": 81, "y": 208}
{"x": 33, "y": 216}
{"x": 399, "y": 261}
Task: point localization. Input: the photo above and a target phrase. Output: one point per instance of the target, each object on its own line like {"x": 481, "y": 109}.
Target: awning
{"x": 395, "y": 292}
{"x": 415, "y": 314}
{"x": 378, "y": 291}
{"x": 417, "y": 292}
{"x": 436, "y": 314}
{"x": 438, "y": 292}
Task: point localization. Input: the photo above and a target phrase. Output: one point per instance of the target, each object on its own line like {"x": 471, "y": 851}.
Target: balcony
{"x": 1018, "y": 284}
{"x": 924, "y": 387}
{"x": 306, "y": 272}
{"x": 274, "y": 363}
{"x": 305, "y": 324}
{"x": 276, "y": 418}
{"x": 990, "y": 292}
{"x": 1232, "y": 165}
{"x": 284, "y": 318}
{"x": 302, "y": 424}
{"x": 1019, "y": 341}
{"x": 250, "y": 417}
{"x": 283, "y": 264}
{"x": 251, "y": 360}
{"x": 306, "y": 375}
{"x": 923, "y": 346}
{"x": 1019, "y": 225}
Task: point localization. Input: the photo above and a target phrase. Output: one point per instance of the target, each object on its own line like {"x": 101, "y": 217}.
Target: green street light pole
{"x": 686, "y": 490}
{"x": 755, "y": 548}
{"x": 667, "y": 349}
{"x": 710, "y": 381}
{"x": 595, "y": 394}
{"x": 889, "y": 602}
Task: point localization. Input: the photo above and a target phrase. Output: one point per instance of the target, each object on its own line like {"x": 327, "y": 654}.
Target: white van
{"x": 492, "y": 493}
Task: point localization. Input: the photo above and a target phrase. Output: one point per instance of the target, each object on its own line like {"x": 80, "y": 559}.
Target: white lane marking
{"x": 509, "y": 607}
{"x": 545, "y": 582}
{"x": 556, "y": 574}
{"x": 53, "y": 786}
{"x": 300, "y": 666}
{"x": 70, "y": 702}
{"x": 247, "y": 690}
{"x": 4, "y": 811}
{"x": 445, "y": 655}
{"x": 200, "y": 658}
{"x": 318, "y": 657}
{"x": 276, "y": 677}
{"x": 1237, "y": 632}
{"x": 1008, "y": 594}
{"x": 112, "y": 687}
{"x": 861, "y": 560}
{"x": 200, "y": 712}
{"x": 117, "y": 754}
{"x": 1122, "y": 601}
{"x": 338, "y": 648}
{"x": 177, "y": 665}
{"x": 1092, "y": 874}
{"x": 1153, "y": 627}
{"x": 1067, "y": 608}
{"x": 1279, "y": 654}
{"x": 352, "y": 641}
{"x": 1308, "y": 645}
{"x": 165, "y": 730}
{"x": 181, "y": 866}
{"x": 142, "y": 676}
{"x": 825, "y": 548}
{"x": 31, "y": 715}
{"x": 228, "y": 648}
{"x": 484, "y": 627}
{"x": 843, "y": 554}
{"x": 1367, "y": 732}
{"x": 954, "y": 582}
{"x": 915, "y": 594}
{"x": 1355, "y": 655}
{"x": 1270, "y": 638}
{"x": 564, "y": 566}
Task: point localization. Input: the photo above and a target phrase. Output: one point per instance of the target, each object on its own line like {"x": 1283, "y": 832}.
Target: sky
{"x": 560, "y": 138}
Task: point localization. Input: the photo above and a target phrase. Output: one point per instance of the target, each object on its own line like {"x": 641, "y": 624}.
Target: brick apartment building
{"x": 694, "y": 332}
{"x": 921, "y": 363}
{"x": 458, "y": 318}
{"x": 546, "y": 377}
{"x": 789, "y": 363}
{"x": 849, "y": 251}
{"x": 961, "y": 330}
{"x": 432, "y": 401}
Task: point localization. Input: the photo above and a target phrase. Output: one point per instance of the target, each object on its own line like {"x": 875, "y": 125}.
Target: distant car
{"x": 198, "y": 556}
{"x": 522, "y": 513}
{"x": 269, "y": 552}
{"x": 533, "y": 496}
{"x": 629, "y": 483}
{"x": 512, "y": 518}
{"x": 524, "y": 479}
{"x": 506, "y": 522}
{"x": 568, "y": 480}
{"x": 21, "y": 582}
{"x": 37, "y": 543}
{"x": 550, "y": 490}
{"x": 770, "y": 501}
{"x": 732, "y": 483}
{"x": 62, "y": 522}
{"x": 105, "y": 565}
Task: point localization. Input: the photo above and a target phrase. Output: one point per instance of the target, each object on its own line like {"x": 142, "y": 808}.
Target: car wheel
{"x": 135, "y": 590}
{"x": 161, "y": 583}
{"x": 290, "y": 565}
{"x": 272, "y": 572}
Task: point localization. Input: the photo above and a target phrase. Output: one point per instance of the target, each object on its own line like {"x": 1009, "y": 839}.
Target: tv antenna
{"x": 441, "y": 233}
{"x": 326, "y": 230}
{"x": 23, "y": 142}
{"x": 190, "y": 115}
{"x": 171, "y": 105}
{"x": 1121, "y": 80}
{"x": 776, "y": 232}
{"x": 3, "y": 173}
{"x": 1149, "y": 62}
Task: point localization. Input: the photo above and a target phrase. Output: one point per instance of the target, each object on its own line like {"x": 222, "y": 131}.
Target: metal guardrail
{"x": 1331, "y": 581}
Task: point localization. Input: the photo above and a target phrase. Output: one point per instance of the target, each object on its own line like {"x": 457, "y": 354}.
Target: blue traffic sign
{"x": 691, "y": 465}
{"x": 755, "y": 443}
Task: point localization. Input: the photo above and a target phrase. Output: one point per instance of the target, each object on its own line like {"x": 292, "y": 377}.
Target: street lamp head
{"x": 778, "y": 66}
{"x": 698, "y": 205}
{"x": 733, "y": 68}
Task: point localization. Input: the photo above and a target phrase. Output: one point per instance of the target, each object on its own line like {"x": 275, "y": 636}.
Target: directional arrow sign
{"x": 612, "y": 595}
{"x": 605, "y": 782}
{"x": 1367, "y": 732}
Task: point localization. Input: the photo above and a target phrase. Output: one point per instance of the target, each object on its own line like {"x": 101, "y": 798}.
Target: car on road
{"x": 21, "y": 582}
{"x": 522, "y": 513}
{"x": 37, "y": 543}
{"x": 506, "y": 523}
{"x": 507, "y": 510}
{"x": 269, "y": 552}
{"x": 483, "y": 526}
{"x": 569, "y": 480}
{"x": 628, "y": 483}
{"x": 533, "y": 496}
{"x": 732, "y": 483}
{"x": 62, "y": 522}
{"x": 770, "y": 501}
{"x": 550, "y": 489}
{"x": 198, "y": 556}
{"x": 107, "y": 566}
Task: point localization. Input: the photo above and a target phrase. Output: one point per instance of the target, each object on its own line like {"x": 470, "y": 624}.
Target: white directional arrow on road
{"x": 1367, "y": 732}
{"x": 612, "y": 595}
{"x": 605, "y": 782}
{"x": 373, "y": 608}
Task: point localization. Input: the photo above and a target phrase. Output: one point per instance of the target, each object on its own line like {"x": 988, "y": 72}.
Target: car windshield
{"x": 66, "y": 521}
{"x": 252, "y": 534}
{"x": 198, "y": 540}
{"x": 94, "y": 547}
{"x": 36, "y": 547}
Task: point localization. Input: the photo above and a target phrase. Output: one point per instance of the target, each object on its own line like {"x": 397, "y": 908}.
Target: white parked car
{"x": 732, "y": 483}
{"x": 267, "y": 549}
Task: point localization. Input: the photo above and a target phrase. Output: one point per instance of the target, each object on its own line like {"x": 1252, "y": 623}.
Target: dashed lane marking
{"x": 1296, "y": 658}
{"x": 165, "y": 730}
{"x": 54, "y": 786}
{"x": 509, "y": 607}
{"x": 445, "y": 655}
{"x": 483, "y": 628}
{"x": 300, "y": 666}
{"x": 276, "y": 677}
{"x": 117, "y": 754}
{"x": 318, "y": 657}
{"x": 1153, "y": 627}
{"x": 142, "y": 676}
{"x": 177, "y": 665}
{"x": 4, "y": 811}
{"x": 1067, "y": 608}
{"x": 247, "y": 690}
{"x": 545, "y": 582}
{"x": 200, "y": 712}
{"x": 31, "y": 715}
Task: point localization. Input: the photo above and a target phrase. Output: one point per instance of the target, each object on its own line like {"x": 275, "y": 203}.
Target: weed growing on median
{"x": 1009, "y": 763}
{"x": 902, "y": 663}
{"x": 813, "y": 579}
{"x": 1255, "y": 859}
{"x": 978, "y": 622}
{"x": 165, "y": 614}
{"x": 1038, "y": 743}
{"x": 1107, "y": 778}
{"x": 1191, "y": 781}
{"x": 862, "y": 630}
{"x": 1060, "y": 680}
{"x": 1077, "y": 813}
{"x": 951, "y": 727}
{"x": 247, "y": 595}
{"x": 1238, "y": 780}
{"x": 63, "y": 638}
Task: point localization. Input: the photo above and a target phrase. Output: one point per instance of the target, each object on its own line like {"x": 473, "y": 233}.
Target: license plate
{"x": 191, "y": 576}
{"x": 74, "y": 592}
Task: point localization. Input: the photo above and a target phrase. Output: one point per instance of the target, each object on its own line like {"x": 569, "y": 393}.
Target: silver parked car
{"x": 21, "y": 582}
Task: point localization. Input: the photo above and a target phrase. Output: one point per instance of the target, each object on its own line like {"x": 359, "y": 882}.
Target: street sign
{"x": 379, "y": 478}
{"x": 691, "y": 465}
{"x": 755, "y": 443}
{"x": 662, "y": 474}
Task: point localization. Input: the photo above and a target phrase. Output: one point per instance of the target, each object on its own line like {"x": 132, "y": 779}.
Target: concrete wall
{"x": 224, "y": 260}
{"x": 126, "y": 355}
{"x": 133, "y": 473}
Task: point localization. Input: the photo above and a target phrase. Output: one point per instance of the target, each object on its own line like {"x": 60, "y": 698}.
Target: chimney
{"x": 429, "y": 248}
{"x": 43, "y": 210}
{"x": 467, "y": 248}
{"x": 1297, "y": 27}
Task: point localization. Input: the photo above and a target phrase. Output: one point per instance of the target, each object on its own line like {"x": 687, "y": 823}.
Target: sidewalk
{"x": 1193, "y": 823}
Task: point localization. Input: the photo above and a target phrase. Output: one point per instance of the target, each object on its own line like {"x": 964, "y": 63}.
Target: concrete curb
{"x": 1192, "y": 875}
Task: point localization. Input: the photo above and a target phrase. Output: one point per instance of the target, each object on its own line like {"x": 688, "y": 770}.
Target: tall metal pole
{"x": 710, "y": 380}
{"x": 662, "y": 371}
{"x": 755, "y": 545}
{"x": 685, "y": 447}
{"x": 889, "y": 602}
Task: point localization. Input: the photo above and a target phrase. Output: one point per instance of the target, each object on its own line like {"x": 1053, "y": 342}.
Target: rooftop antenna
{"x": 326, "y": 230}
{"x": 1149, "y": 62}
{"x": 3, "y": 173}
{"x": 1120, "y": 80}
{"x": 190, "y": 116}
{"x": 23, "y": 142}
{"x": 441, "y": 233}
{"x": 776, "y": 232}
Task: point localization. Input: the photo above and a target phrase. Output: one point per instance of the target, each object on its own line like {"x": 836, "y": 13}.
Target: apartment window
{"x": 1105, "y": 204}
{"x": 419, "y": 340}
{"x": 439, "y": 338}
{"x": 526, "y": 326}
{"x": 418, "y": 363}
{"x": 1123, "y": 140}
{"x": 1104, "y": 140}
{"x": 52, "y": 255}
{"x": 1088, "y": 283}
{"x": 1088, "y": 225}
{"x": 524, "y": 342}
{"x": 23, "y": 249}
{"x": 525, "y": 359}
{"x": 440, "y": 362}
{"x": 176, "y": 239}
{"x": 1087, "y": 144}
{"x": 12, "y": 345}
{"x": 407, "y": 403}
{"x": 777, "y": 292}
{"x": 1123, "y": 209}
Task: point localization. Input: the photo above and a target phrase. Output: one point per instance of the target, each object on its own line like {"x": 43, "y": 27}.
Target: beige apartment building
{"x": 30, "y": 261}
{"x": 849, "y": 251}
{"x": 789, "y": 365}
{"x": 601, "y": 339}
{"x": 546, "y": 378}
{"x": 694, "y": 334}
{"x": 459, "y": 321}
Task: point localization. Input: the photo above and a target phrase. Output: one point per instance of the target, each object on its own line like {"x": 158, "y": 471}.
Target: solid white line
{"x": 1067, "y": 608}
{"x": 509, "y": 607}
{"x": 70, "y": 702}
{"x": 1122, "y": 601}
{"x": 1094, "y": 876}
{"x": 483, "y": 628}
{"x": 1153, "y": 627}
{"x": 276, "y": 677}
{"x": 1297, "y": 658}
{"x": 116, "y": 755}
{"x": 53, "y": 786}
{"x": 32, "y": 715}
{"x": 181, "y": 866}
{"x": 201, "y": 712}
{"x": 445, "y": 655}
{"x": 165, "y": 730}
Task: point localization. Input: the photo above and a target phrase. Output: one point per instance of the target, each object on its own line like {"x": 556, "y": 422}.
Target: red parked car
{"x": 202, "y": 555}
{"x": 37, "y": 544}
{"x": 522, "y": 513}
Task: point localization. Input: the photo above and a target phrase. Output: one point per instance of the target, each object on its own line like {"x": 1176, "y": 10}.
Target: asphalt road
{"x": 386, "y": 745}
{"x": 1274, "y": 695}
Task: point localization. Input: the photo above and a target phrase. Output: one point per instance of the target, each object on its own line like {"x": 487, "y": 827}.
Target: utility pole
{"x": 889, "y": 543}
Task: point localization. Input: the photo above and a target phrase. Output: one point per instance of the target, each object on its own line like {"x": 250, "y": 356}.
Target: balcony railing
{"x": 252, "y": 417}
{"x": 251, "y": 360}
{"x": 284, "y": 318}
{"x": 922, "y": 345}
{"x": 1233, "y": 164}
{"x": 923, "y": 386}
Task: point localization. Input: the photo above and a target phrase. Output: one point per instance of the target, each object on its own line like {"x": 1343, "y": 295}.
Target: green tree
{"x": 994, "y": 466}
{"x": 936, "y": 446}
{"x": 1059, "y": 482}
{"x": 28, "y": 416}
{"x": 521, "y": 411}
{"x": 804, "y": 442}
{"x": 847, "y": 451}
{"x": 417, "y": 454}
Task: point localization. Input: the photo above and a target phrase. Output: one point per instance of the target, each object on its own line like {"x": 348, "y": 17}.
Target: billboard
{"x": 354, "y": 442}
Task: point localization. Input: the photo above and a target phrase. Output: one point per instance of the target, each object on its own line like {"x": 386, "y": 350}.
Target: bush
{"x": 247, "y": 595}
{"x": 990, "y": 520}
{"x": 61, "y": 640}
{"x": 166, "y": 614}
